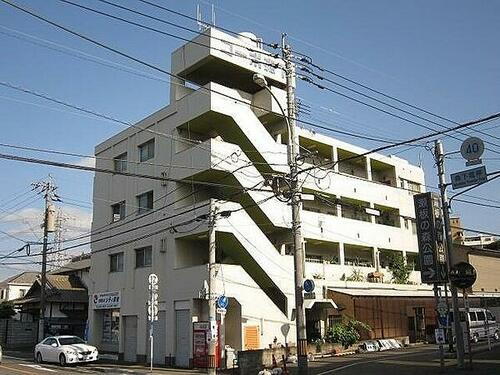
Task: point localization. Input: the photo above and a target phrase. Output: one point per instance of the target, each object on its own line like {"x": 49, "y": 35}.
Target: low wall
{"x": 250, "y": 362}
{"x": 17, "y": 334}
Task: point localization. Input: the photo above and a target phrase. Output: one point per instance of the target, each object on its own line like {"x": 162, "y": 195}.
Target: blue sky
{"x": 443, "y": 56}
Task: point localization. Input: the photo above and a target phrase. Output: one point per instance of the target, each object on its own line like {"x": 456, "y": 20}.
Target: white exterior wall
{"x": 13, "y": 291}
{"x": 180, "y": 284}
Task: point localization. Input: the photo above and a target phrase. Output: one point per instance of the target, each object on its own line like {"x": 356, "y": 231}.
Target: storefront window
{"x": 111, "y": 326}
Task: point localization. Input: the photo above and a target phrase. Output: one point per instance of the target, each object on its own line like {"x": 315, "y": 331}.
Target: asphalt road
{"x": 20, "y": 366}
{"x": 410, "y": 361}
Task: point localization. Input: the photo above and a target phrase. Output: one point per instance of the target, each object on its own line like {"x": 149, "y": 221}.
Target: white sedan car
{"x": 65, "y": 350}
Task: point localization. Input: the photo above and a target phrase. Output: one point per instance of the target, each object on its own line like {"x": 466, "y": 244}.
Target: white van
{"x": 481, "y": 324}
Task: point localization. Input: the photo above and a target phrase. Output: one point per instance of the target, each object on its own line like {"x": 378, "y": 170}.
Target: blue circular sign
{"x": 222, "y": 302}
{"x": 309, "y": 285}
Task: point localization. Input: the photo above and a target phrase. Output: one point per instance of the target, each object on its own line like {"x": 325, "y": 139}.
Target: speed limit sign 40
{"x": 472, "y": 149}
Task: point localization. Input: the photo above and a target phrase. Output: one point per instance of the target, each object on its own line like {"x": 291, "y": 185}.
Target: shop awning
{"x": 321, "y": 303}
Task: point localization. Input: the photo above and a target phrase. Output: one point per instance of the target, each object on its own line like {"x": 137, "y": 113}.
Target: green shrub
{"x": 347, "y": 333}
{"x": 399, "y": 269}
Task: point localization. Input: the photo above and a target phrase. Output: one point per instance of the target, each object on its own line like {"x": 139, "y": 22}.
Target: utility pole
{"x": 298, "y": 242}
{"x": 47, "y": 188}
{"x": 212, "y": 367}
{"x": 439, "y": 155}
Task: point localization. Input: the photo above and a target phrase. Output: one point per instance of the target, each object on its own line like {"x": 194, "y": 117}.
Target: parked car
{"x": 482, "y": 323}
{"x": 65, "y": 350}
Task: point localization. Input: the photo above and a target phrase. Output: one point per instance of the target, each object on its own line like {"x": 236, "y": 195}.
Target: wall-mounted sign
{"x": 106, "y": 300}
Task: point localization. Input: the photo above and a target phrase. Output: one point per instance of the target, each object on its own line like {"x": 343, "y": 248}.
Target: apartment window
{"x": 414, "y": 227}
{"x": 120, "y": 162}
{"x": 116, "y": 262}
{"x": 22, "y": 292}
{"x": 414, "y": 187}
{"x": 143, "y": 257}
{"x": 2, "y": 294}
{"x": 118, "y": 211}
{"x": 145, "y": 202}
{"x": 147, "y": 150}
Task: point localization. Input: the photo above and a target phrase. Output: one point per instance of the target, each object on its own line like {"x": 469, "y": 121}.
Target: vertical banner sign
{"x": 430, "y": 238}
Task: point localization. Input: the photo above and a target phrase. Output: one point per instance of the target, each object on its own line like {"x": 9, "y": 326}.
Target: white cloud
{"x": 75, "y": 222}
{"x": 86, "y": 162}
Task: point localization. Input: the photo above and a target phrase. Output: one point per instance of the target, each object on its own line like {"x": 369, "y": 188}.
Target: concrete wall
{"x": 15, "y": 334}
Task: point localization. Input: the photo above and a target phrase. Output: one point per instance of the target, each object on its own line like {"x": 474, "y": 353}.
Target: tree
{"x": 399, "y": 269}
{"x": 7, "y": 310}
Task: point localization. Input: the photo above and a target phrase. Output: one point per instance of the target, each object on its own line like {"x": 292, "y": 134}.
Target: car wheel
{"x": 39, "y": 357}
{"x": 62, "y": 360}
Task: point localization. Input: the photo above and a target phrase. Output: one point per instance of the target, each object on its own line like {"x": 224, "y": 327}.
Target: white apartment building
{"x": 213, "y": 134}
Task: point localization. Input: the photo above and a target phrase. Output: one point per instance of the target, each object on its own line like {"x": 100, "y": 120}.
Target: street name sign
{"x": 468, "y": 177}
{"x": 430, "y": 238}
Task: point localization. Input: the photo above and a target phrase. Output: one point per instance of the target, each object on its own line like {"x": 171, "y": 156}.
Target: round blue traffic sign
{"x": 222, "y": 302}
{"x": 309, "y": 285}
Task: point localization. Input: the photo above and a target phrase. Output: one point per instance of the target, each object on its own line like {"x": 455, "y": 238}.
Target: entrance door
{"x": 130, "y": 338}
{"x": 182, "y": 344}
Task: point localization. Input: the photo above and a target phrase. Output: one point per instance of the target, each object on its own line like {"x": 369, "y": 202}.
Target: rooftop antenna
{"x": 213, "y": 15}
{"x": 202, "y": 26}
{"x": 199, "y": 18}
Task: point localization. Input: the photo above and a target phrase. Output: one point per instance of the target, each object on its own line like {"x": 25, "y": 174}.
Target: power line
{"x": 311, "y": 82}
{"x": 412, "y": 140}
{"x": 94, "y": 113}
{"x": 123, "y": 54}
{"x": 109, "y": 171}
{"x": 477, "y": 231}
{"x": 145, "y": 75}
{"x": 194, "y": 31}
{"x": 476, "y": 203}
{"x": 189, "y": 41}
{"x": 113, "y": 226}
{"x": 79, "y": 54}
{"x": 137, "y": 60}
{"x": 308, "y": 61}
{"x": 186, "y": 222}
{"x": 57, "y": 152}
{"x": 272, "y": 45}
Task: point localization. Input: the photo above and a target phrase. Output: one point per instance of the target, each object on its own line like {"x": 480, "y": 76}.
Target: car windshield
{"x": 70, "y": 340}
